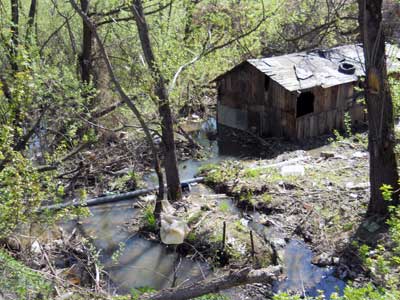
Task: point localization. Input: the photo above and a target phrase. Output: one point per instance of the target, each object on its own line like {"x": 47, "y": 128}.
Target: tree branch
{"x": 197, "y": 289}
{"x": 124, "y": 97}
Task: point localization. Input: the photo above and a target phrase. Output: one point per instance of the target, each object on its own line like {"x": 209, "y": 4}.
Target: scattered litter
{"x": 359, "y": 154}
{"x": 173, "y": 229}
{"x": 293, "y": 170}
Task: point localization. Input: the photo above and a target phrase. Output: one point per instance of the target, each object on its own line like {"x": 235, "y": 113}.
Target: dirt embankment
{"x": 319, "y": 196}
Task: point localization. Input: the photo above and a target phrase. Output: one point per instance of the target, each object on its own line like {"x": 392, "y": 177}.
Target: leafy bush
{"x": 149, "y": 218}
{"x": 395, "y": 89}
{"x": 21, "y": 188}
{"x": 20, "y": 282}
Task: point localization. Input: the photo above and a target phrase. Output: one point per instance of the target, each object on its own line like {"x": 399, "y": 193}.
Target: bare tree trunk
{"x": 87, "y": 43}
{"x": 14, "y": 33}
{"x": 31, "y": 17}
{"x": 244, "y": 276}
{"x": 381, "y": 139}
{"x": 160, "y": 90}
{"x": 127, "y": 100}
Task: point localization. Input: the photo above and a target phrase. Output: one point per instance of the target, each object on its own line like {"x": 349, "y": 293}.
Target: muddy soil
{"x": 318, "y": 196}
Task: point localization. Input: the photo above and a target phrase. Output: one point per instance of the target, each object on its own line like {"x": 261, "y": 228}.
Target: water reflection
{"x": 304, "y": 277}
{"x": 142, "y": 263}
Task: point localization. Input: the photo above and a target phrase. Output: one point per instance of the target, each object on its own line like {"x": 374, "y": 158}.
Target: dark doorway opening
{"x": 305, "y": 104}
{"x": 266, "y": 83}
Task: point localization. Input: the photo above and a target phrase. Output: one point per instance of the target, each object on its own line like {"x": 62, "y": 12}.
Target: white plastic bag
{"x": 173, "y": 229}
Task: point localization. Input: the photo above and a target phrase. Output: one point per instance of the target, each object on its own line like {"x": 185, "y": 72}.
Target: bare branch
{"x": 197, "y": 289}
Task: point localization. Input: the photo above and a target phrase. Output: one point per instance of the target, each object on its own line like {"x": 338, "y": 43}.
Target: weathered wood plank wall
{"x": 245, "y": 102}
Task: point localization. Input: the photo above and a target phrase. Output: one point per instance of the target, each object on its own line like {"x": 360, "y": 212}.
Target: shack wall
{"x": 279, "y": 111}
{"x": 330, "y": 106}
{"x": 240, "y": 95}
{"x": 248, "y": 100}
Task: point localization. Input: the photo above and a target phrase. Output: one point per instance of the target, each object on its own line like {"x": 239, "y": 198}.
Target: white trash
{"x": 173, "y": 229}
{"x": 293, "y": 170}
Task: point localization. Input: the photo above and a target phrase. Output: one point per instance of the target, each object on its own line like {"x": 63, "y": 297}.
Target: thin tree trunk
{"x": 31, "y": 17}
{"x": 381, "y": 140}
{"x": 14, "y": 34}
{"x": 160, "y": 90}
{"x": 87, "y": 43}
{"x": 128, "y": 101}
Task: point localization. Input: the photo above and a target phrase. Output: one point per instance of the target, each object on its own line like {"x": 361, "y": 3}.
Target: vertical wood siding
{"x": 273, "y": 112}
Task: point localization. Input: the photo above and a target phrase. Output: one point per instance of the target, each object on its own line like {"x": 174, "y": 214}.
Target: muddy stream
{"x": 143, "y": 263}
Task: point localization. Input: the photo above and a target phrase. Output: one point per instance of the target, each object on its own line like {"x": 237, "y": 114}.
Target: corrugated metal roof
{"x": 304, "y": 70}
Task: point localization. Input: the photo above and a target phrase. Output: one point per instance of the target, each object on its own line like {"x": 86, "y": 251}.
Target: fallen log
{"x": 112, "y": 198}
{"x": 241, "y": 277}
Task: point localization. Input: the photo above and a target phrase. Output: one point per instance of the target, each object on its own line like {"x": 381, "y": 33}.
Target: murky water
{"x": 301, "y": 276}
{"x": 143, "y": 263}
{"x": 189, "y": 168}
{"x": 304, "y": 277}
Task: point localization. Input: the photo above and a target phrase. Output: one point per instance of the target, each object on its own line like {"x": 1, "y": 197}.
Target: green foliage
{"x": 149, "y": 218}
{"x": 191, "y": 237}
{"x": 252, "y": 173}
{"x": 227, "y": 171}
{"x": 22, "y": 282}
{"x": 286, "y": 296}
{"x": 387, "y": 192}
{"x": 240, "y": 227}
{"x": 224, "y": 206}
{"x": 395, "y": 90}
{"x": 117, "y": 254}
{"x": 137, "y": 292}
{"x": 383, "y": 261}
{"x": 266, "y": 198}
{"x": 347, "y": 124}
{"x": 39, "y": 97}
{"x": 367, "y": 292}
{"x": 207, "y": 168}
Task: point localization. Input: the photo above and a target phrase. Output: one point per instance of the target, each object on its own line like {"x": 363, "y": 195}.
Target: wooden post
{"x": 252, "y": 244}
{"x": 223, "y": 235}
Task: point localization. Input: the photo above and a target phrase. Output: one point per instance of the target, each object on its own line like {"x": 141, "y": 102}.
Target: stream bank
{"x": 295, "y": 220}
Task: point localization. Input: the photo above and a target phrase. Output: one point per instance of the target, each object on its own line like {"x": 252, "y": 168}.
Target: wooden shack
{"x": 296, "y": 96}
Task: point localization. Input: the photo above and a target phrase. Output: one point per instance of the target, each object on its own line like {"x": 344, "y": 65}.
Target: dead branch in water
{"x": 241, "y": 277}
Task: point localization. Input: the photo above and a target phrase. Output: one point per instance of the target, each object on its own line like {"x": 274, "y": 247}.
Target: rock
{"x": 349, "y": 185}
{"x": 327, "y": 154}
{"x": 354, "y": 196}
{"x": 11, "y": 243}
{"x": 280, "y": 256}
{"x": 360, "y": 186}
{"x": 35, "y": 248}
{"x": 359, "y": 154}
{"x": 244, "y": 222}
{"x": 205, "y": 207}
{"x": 65, "y": 296}
{"x": 335, "y": 260}
{"x": 322, "y": 260}
{"x": 293, "y": 170}
{"x": 343, "y": 271}
{"x": 264, "y": 220}
{"x": 277, "y": 242}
